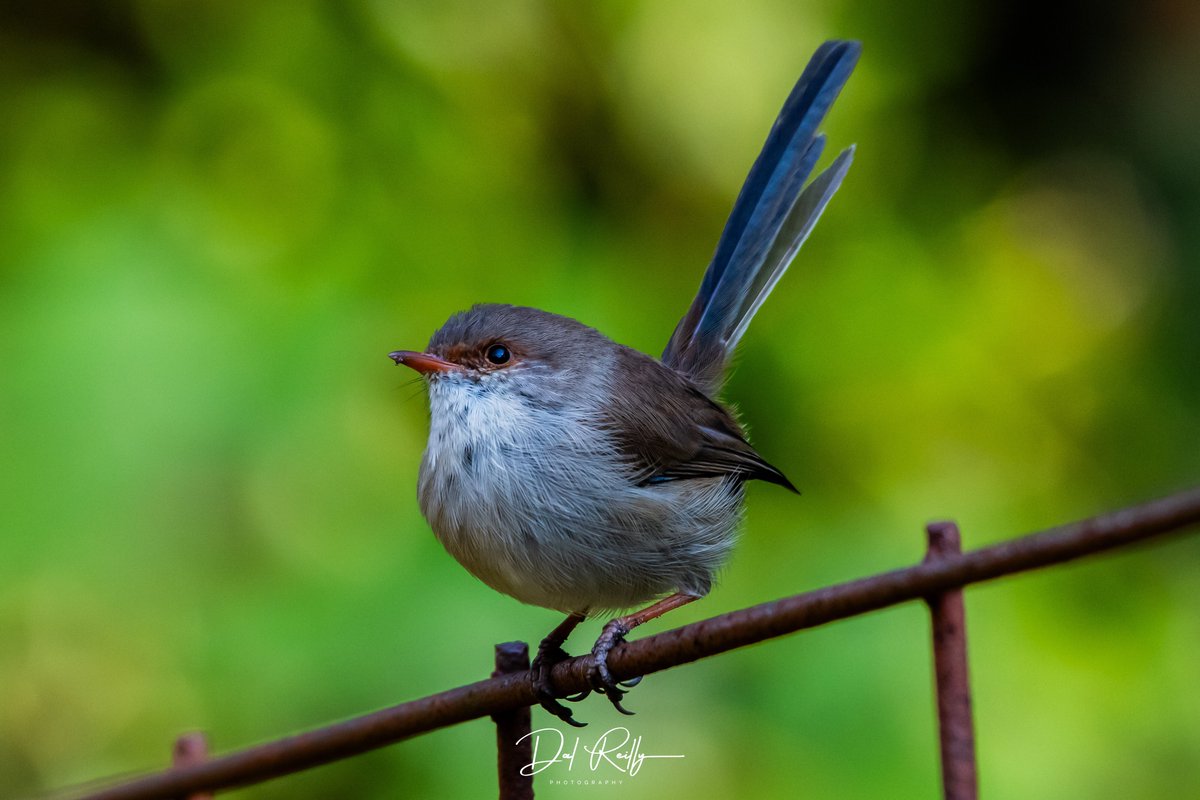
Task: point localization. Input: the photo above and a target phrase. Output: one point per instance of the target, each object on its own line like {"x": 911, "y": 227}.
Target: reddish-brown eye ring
{"x": 498, "y": 354}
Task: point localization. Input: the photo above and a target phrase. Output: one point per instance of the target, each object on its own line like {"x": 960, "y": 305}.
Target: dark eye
{"x": 498, "y": 354}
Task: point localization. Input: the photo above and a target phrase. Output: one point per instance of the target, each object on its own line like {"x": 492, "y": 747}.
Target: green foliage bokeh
{"x": 217, "y": 218}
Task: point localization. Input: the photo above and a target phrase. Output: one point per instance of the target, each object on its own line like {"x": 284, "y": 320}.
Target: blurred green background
{"x": 217, "y": 219}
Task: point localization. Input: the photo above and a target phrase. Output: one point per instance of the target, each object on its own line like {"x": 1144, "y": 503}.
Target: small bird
{"x": 577, "y": 474}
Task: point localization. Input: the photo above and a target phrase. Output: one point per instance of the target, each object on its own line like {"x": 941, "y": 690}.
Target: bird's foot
{"x": 602, "y": 680}
{"x": 549, "y": 653}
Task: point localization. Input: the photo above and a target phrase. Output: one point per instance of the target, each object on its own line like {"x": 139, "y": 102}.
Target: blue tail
{"x": 772, "y": 217}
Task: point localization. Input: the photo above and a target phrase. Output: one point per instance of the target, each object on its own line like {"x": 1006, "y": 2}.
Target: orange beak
{"x": 423, "y": 363}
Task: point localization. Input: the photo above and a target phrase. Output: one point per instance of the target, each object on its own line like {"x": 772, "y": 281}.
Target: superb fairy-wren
{"x": 575, "y": 473}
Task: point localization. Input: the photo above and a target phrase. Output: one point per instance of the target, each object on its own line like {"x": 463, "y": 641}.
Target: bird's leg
{"x": 614, "y": 633}
{"x": 549, "y": 653}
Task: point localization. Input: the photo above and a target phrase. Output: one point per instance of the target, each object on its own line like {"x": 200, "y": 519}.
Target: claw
{"x": 602, "y": 680}
{"x": 549, "y": 653}
{"x": 616, "y": 701}
{"x": 615, "y": 697}
{"x": 562, "y": 712}
{"x": 543, "y": 684}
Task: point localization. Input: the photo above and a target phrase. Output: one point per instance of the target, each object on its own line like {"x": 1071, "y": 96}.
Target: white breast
{"x": 539, "y": 505}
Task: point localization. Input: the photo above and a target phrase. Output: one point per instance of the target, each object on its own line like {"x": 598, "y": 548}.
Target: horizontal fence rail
{"x": 512, "y": 690}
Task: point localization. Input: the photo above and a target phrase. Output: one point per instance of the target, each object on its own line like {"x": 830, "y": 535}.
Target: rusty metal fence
{"x": 507, "y": 695}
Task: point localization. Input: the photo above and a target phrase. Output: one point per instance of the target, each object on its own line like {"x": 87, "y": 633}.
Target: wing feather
{"x": 668, "y": 429}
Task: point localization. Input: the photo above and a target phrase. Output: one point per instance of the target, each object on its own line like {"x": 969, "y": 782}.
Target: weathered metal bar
{"x": 514, "y": 745}
{"x": 949, "y": 621}
{"x": 191, "y": 749}
{"x": 669, "y": 649}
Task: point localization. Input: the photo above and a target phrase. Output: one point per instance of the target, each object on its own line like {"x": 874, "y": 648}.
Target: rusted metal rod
{"x": 949, "y": 619}
{"x": 514, "y": 745}
{"x": 191, "y": 749}
{"x": 669, "y": 649}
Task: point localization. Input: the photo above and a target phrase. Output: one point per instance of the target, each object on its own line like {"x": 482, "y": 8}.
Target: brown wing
{"x": 670, "y": 430}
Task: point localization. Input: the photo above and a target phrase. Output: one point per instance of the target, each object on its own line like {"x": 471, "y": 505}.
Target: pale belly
{"x": 541, "y": 509}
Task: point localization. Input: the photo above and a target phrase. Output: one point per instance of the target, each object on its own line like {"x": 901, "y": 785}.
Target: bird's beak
{"x": 423, "y": 363}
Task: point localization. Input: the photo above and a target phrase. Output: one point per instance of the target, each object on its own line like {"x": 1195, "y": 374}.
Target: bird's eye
{"x": 498, "y": 354}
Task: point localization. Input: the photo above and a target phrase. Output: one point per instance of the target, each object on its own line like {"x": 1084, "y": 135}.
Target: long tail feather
{"x": 771, "y": 218}
{"x": 796, "y": 228}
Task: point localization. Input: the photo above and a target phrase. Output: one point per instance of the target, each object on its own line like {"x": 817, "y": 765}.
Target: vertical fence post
{"x": 956, "y": 730}
{"x": 191, "y": 749}
{"x": 512, "y": 727}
